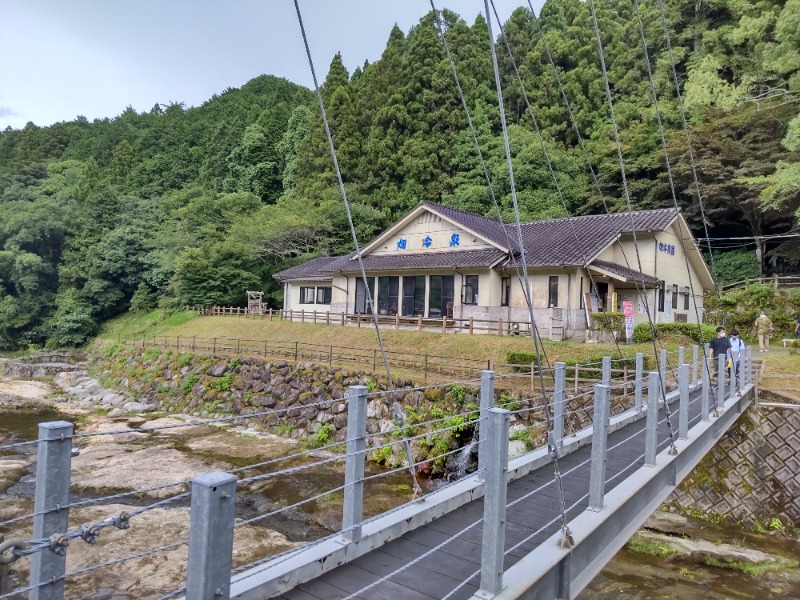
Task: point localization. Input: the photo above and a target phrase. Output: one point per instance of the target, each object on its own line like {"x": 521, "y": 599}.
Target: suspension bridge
{"x": 538, "y": 525}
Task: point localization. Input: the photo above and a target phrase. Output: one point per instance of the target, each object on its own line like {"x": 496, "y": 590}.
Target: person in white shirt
{"x": 737, "y": 347}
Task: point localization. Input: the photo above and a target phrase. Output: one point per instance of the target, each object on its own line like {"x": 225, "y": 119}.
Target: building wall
{"x": 412, "y": 238}
{"x": 292, "y": 300}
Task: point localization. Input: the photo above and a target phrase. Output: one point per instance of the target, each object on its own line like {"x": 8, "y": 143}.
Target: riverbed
{"x": 128, "y": 460}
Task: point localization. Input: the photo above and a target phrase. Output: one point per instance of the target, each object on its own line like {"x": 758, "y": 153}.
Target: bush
{"x": 612, "y": 322}
{"x": 642, "y": 332}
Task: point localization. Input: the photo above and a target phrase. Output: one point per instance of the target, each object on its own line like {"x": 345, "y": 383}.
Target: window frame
{"x": 662, "y": 293}
{"x": 674, "y": 296}
{"x": 327, "y": 291}
{"x": 552, "y": 292}
{"x": 471, "y": 283}
{"x": 304, "y": 294}
{"x": 505, "y": 291}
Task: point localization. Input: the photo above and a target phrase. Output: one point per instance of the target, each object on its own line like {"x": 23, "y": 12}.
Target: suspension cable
{"x": 397, "y": 410}
{"x": 626, "y": 191}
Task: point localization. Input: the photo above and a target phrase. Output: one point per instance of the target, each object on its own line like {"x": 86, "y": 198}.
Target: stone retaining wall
{"x": 752, "y": 474}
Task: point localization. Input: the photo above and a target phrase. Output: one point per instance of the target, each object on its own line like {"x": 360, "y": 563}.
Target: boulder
{"x": 218, "y": 370}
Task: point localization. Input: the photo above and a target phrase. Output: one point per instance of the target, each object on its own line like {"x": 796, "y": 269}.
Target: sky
{"x": 94, "y": 58}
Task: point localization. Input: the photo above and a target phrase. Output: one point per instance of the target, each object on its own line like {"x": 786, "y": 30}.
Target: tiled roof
{"x": 576, "y": 240}
{"x": 312, "y": 269}
{"x": 458, "y": 259}
{"x": 487, "y": 228}
{"x": 626, "y": 273}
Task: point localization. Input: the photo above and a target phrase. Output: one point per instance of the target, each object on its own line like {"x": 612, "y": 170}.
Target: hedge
{"x": 642, "y": 332}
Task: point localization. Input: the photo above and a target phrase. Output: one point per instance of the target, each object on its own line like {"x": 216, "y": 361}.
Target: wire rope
{"x": 397, "y": 410}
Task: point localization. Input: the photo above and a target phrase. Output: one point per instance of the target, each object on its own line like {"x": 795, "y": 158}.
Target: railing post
{"x": 606, "y": 377}
{"x": 651, "y": 427}
{"x": 663, "y": 370}
{"x": 704, "y": 389}
{"x": 721, "y": 360}
{"x": 637, "y": 384}
{"x": 683, "y": 408}
{"x": 597, "y": 473}
{"x": 695, "y": 352}
{"x": 352, "y": 509}
{"x": 681, "y": 357}
{"x": 295, "y": 351}
{"x": 54, "y": 460}
{"x": 739, "y": 370}
{"x": 487, "y": 402}
{"x": 559, "y": 397}
{"x": 494, "y": 502}
{"x": 749, "y": 371}
{"x": 208, "y": 574}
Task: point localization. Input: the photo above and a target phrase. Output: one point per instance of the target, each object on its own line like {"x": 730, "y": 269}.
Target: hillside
{"x": 194, "y": 206}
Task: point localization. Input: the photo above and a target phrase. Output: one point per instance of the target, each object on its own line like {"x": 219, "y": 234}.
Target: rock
{"x": 325, "y": 417}
{"x": 218, "y": 370}
{"x": 11, "y": 470}
{"x": 338, "y": 408}
{"x": 258, "y": 386}
{"x": 268, "y": 401}
{"x": 116, "y": 412}
{"x": 340, "y": 421}
{"x": 701, "y": 549}
{"x": 516, "y": 447}
{"x": 137, "y": 407}
{"x": 376, "y": 409}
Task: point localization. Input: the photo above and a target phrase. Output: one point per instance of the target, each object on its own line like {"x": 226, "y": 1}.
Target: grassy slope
{"x": 481, "y": 347}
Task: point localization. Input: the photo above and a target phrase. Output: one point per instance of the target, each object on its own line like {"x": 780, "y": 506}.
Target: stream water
{"x": 628, "y": 576}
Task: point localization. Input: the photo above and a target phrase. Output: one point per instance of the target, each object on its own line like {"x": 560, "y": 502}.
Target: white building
{"x": 439, "y": 262}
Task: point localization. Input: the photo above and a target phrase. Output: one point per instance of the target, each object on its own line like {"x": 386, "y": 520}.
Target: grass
{"x": 154, "y": 322}
{"x": 779, "y": 363}
{"x": 641, "y": 545}
{"x": 452, "y": 345}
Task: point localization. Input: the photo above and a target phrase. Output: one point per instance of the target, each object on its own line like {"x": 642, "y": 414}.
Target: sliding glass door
{"x": 413, "y": 295}
{"x": 441, "y": 296}
{"x": 361, "y": 295}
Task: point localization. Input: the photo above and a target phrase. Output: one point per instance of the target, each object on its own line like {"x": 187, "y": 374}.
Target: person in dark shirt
{"x": 719, "y": 345}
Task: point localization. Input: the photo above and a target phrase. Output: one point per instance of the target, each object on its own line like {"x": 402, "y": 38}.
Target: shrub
{"x": 321, "y": 437}
{"x": 642, "y": 332}
{"x": 612, "y": 322}
{"x": 223, "y": 384}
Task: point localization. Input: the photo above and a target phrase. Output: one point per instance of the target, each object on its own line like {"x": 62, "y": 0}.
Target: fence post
{"x": 352, "y": 508}
{"x": 238, "y": 346}
{"x": 444, "y": 324}
{"x": 695, "y": 351}
{"x": 597, "y": 473}
{"x": 637, "y": 389}
{"x": 265, "y": 349}
{"x": 559, "y": 397}
{"x": 471, "y": 325}
{"x": 663, "y": 370}
{"x": 499, "y": 326}
{"x": 749, "y": 370}
{"x": 606, "y": 373}
{"x": 214, "y": 349}
{"x": 739, "y": 368}
{"x": 651, "y": 427}
{"x": 194, "y": 343}
{"x": 425, "y": 370}
{"x": 704, "y": 390}
{"x": 419, "y": 322}
{"x": 178, "y": 343}
{"x": 295, "y": 351}
{"x": 54, "y": 459}
{"x": 683, "y": 408}
{"x": 487, "y": 402}
{"x": 374, "y": 360}
{"x": 208, "y": 574}
{"x": 494, "y": 502}
{"x": 721, "y": 359}
{"x": 576, "y": 379}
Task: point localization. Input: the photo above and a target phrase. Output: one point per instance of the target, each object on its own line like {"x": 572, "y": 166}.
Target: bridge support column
{"x": 704, "y": 389}
{"x": 663, "y": 370}
{"x": 606, "y": 377}
{"x": 352, "y": 506}
{"x": 211, "y": 518}
{"x": 597, "y": 472}
{"x": 559, "y": 385}
{"x": 494, "y": 500}
{"x": 721, "y": 360}
{"x": 695, "y": 352}
{"x": 487, "y": 402}
{"x": 651, "y": 426}
{"x": 683, "y": 408}
{"x": 54, "y": 459}
{"x": 637, "y": 384}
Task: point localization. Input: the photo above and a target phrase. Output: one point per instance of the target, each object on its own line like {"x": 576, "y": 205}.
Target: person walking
{"x": 737, "y": 347}
{"x": 719, "y": 346}
{"x": 797, "y": 328}
{"x": 763, "y": 328}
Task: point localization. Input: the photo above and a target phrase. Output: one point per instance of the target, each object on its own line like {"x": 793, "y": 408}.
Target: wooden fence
{"x": 430, "y": 366}
{"x": 469, "y": 325}
{"x": 776, "y": 281}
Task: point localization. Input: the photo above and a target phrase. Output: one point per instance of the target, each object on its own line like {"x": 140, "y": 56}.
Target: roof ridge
{"x": 458, "y": 210}
{"x": 608, "y": 214}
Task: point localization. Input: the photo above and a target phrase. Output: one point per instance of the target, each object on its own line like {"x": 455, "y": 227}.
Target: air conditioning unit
{"x": 681, "y": 318}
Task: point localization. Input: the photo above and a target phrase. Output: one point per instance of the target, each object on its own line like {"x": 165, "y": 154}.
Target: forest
{"x": 195, "y": 205}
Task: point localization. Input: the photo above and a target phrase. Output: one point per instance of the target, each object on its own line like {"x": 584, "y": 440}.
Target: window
{"x": 505, "y": 291}
{"x": 470, "y": 293}
{"x": 661, "y": 294}
{"x": 307, "y": 295}
{"x": 440, "y": 296}
{"x": 674, "y": 295}
{"x": 686, "y": 300}
{"x": 552, "y": 295}
{"x": 413, "y": 295}
{"x": 388, "y": 287}
{"x": 324, "y": 295}
{"x": 362, "y": 306}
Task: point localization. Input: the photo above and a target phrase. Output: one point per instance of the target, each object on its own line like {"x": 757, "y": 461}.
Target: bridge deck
{"x": 529, "y": 523}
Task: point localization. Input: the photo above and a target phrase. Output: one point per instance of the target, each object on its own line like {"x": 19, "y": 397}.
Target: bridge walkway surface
{"x": 442, "y": 559}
